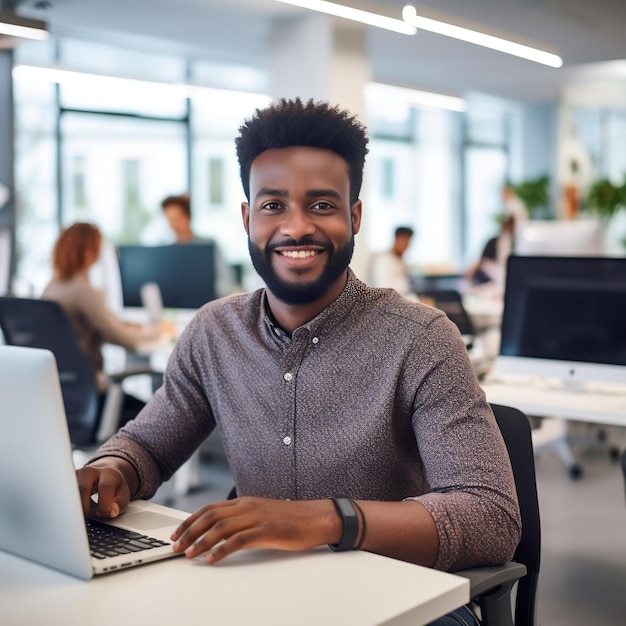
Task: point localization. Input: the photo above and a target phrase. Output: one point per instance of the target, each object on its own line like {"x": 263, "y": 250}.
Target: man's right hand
{"x": 113, "y": 480}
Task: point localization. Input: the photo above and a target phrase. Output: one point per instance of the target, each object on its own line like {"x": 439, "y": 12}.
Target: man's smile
{"x": 298, "y": 254}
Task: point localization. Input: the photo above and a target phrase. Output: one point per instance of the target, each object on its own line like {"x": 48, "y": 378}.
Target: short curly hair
{"x": 287, "y": 123}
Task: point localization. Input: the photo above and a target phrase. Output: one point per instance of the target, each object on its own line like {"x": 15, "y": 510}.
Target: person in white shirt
{"x": 388, "y": 269}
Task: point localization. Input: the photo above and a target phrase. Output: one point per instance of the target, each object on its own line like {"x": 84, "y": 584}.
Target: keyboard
{"x": 107, "y": 541}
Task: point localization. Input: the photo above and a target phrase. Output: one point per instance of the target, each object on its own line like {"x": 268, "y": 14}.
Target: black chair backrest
{"x": 624, "y": 466}
{"x": 516, "y": 431}
{"x": 43, "y": 324}
{"x": 451, "y": 303}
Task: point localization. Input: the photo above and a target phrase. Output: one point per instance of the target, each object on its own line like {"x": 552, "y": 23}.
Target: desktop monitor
{"x": 584, "y": 237}
{"x": 565, "y": 318}
{"x": 185, "y": 273}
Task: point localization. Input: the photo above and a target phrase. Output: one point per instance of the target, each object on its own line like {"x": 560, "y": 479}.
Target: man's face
{"x": 300, "y": 223}
{"x": 178, "y": 220}
{"x": 403, "y": 241}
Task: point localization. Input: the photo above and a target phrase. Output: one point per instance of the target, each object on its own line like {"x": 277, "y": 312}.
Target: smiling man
{"x": 350, "y": 416}
{"x": 301, "y": 224}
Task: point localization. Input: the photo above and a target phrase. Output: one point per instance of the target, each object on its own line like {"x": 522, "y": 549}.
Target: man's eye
{"x": 271, "y": 206}
{"x": 323, "y": 206}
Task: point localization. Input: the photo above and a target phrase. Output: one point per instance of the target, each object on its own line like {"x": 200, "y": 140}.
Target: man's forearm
{"x": 401, "y": 530}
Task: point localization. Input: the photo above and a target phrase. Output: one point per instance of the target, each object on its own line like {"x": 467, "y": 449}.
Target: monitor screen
{"x": 584, "y": 237}
{"x": 565, "y": 317}
{"x": 185, "y": 274}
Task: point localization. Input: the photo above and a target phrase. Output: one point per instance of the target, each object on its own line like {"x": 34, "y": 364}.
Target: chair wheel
{"x": 575, "y": 472}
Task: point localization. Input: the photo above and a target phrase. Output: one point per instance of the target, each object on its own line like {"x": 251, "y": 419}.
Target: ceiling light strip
{"x": 73, "y": 77}
{"x": 80, "y": 79}
{"x": 357, "y": 15}
{"x": 409, "y": 13}
{"x": 417, "y": 97}
{"x": 25, "y": 32}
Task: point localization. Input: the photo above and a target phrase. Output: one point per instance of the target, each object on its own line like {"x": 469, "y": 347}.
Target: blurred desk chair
{"x": 491, "y": 587}
{"x": 451, "y": 303}
{"x": 43, "y": 324}
{"x": 624, "y": 467}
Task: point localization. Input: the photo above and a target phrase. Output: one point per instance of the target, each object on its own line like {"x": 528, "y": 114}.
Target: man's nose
{"x": 297, "y": 223}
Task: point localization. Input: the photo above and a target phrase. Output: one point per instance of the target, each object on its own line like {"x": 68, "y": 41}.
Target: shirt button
{"x": 315, "y": 340}
{"x": 287, "y": 440}
{"x": 288, "y": 377}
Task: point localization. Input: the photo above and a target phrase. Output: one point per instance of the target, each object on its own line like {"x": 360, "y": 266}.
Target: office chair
{"x": 451, "y": 303}
{"x": 491, "y": 587}
{"x": 43, "y": 324}
{"x": 624, "y": 466}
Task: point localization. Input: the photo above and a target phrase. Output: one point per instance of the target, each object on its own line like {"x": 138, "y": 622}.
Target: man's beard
{"x": 300, "y": 293}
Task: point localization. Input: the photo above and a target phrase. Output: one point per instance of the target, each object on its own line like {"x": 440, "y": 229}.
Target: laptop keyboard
{"x": 106, "y": 540}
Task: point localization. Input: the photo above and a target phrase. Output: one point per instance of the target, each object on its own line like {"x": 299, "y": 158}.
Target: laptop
{"x": 41, "y": 516}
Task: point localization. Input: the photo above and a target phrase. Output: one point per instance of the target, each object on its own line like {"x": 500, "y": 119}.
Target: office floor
{"x": 583, "y": 574}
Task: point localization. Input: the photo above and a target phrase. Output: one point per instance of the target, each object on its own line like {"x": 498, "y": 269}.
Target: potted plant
{"x": 605, "y": 199}
{"x": 535, "y": 195}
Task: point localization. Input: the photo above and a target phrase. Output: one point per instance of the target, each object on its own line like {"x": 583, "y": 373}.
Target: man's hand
{"x": 114, "y": 480}
{"x": 225, "y": 527}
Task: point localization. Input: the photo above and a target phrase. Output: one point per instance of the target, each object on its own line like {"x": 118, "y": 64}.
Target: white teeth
{"x": 299, "y": 254}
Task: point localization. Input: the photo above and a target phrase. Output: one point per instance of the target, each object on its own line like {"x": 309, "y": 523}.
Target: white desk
{"x": 537, "y": 397}
{"x": 484, "y": 306}
{"x": 268, "y": 588}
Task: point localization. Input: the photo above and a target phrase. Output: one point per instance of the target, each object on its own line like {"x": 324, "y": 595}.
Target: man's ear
{"x": 245, "y": 216}
{"x": 355, "y": 216}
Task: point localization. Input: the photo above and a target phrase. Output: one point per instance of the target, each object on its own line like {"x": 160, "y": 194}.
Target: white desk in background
{"x": 484, "y": 305}
{"x": 604, "y": 405}
{"x": 268, "y": 588}
{"x": 599, "y": 404}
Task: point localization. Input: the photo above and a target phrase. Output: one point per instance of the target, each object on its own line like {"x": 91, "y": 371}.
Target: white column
{"x": 7, "y": 183}
{"x": 323, "y": 58}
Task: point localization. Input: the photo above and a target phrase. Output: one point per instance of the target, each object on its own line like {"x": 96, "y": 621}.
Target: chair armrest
{"x": 118, "y": 377}
{"x": 112, "y": 409}
{"x": 483, "y": 579}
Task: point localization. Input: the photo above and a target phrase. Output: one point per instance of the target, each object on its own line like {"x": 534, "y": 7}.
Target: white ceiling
{"x": 236, "y": 31}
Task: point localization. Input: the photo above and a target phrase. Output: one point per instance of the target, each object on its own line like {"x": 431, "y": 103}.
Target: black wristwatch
{"x": 350, "y": 520}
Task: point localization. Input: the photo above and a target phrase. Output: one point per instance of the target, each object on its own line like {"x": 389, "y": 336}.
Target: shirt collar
{"x": 336, "y": 310}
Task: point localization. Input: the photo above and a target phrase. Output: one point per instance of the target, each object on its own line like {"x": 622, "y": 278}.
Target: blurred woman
{"x": 75, "y": 251}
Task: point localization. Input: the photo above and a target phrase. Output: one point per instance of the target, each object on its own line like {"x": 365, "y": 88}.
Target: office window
{"x": 216, "y": 180}
{"x": 391, "y": 119}
{"x": 388, "y": 174}
{"x": 486, "y": 166}
{"x": 127, "y": 166}
{"x": 388, "y": 191}
{"x": 77, "y": 167}
{"x": 35, "y": 183}
{"x": 216, "y": 188}
{"x": 485, "y": 174}
{"x": 411, "y": 182}
{"x": 487, "y": 126}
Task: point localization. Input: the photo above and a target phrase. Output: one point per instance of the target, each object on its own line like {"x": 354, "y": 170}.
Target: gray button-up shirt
{"x": 375, "y": 398}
